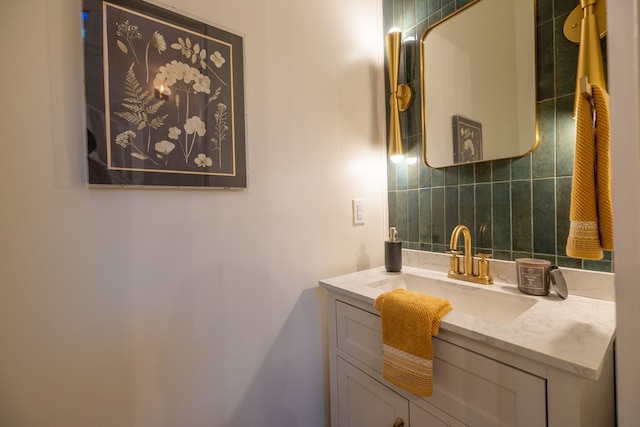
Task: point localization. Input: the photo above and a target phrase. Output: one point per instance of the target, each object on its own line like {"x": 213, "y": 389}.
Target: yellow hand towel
{"x": 591, "y": 214}
{"x": 409, "y": 319}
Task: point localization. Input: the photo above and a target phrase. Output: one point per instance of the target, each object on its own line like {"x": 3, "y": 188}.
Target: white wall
{"x": 151, "y": 308}
{"x": 623, "y": 56}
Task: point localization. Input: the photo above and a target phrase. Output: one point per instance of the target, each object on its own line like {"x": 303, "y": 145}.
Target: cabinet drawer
{"x": 359, "y": 334}
{"x": 468, "y": 386}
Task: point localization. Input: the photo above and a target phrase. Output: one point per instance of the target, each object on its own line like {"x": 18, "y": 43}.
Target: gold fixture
{"x": 588, "y": 20}
{"x": 401, "y": 95}
{"x": 483, "y": 276}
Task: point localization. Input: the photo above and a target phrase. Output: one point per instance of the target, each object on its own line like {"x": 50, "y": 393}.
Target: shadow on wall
{"x": 363, "y": 261}
{"x": 290, "y": 390}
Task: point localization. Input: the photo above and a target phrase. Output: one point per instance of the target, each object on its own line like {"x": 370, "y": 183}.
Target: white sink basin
{"x": 470, "y": 299}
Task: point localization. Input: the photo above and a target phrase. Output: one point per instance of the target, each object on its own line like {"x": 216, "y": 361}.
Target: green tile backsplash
{"x": 515, "y": 207}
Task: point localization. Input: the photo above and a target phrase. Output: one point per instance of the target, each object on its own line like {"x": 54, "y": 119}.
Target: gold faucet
{"x": 467, "y": 274}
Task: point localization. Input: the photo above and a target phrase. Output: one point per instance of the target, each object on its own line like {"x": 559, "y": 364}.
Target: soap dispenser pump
{"x": 393, "y": 252}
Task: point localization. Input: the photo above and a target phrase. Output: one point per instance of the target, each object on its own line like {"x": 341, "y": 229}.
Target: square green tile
{"x": 451, "y": 176}
{"x": 448, "y": 7}
{"x": 600, "y": 265}
{"x": 483, "y": 226}
{"x": 502, "y": 255}
{"x": 501, "y": 170}
{"x": 545, "y": 61}
{"x": 566, "y": 61}
{"x": 521, "y": 214}
{"x": 466, "y": 174}
{"x": 413, "y": 221}
{"x": 391, "y": 176}
{"x": 501, "y": 215}
{"x": 563, "y": 7}
{"x": 451, "y": 210}
{"x": 563, "y": 205}
{"x": 403, "y": 216}
{"x": 437, "y": 177}
{"x": 544, "y": 11}
{"x": 521, "y": 167}
{"x": 398, "y": 14}
{"x": 425, "y": 215}
{"x": 467, "y": 206}
{"x": 483, "y": 172}
{"x": 409, "y": 13}
{"x": 393, "y": 208}
{"x": 544, "y": 216}
{"x": 424, "y": 173}
{"x": 437, "y": 215}
{"x": 433, "y": 6}
{"x": 402, "y": 176}
{"x": 422, "y": 10}
{"x": 566, "y": 136}
{"x": 543, "y": 160}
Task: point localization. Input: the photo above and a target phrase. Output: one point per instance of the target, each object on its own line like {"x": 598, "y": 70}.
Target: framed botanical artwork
{"x": 467, "y": 140}
{"x": 164, "y": 97}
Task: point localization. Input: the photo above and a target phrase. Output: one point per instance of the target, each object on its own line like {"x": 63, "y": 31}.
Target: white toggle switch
{"x": 358, "y": 211}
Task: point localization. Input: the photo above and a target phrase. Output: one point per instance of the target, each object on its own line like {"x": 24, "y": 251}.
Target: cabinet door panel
{"x": 482, "y": 392}
{"x": 364, "y": 402}
{"x": 422, "y": 418}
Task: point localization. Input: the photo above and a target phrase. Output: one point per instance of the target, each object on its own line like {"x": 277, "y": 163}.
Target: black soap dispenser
{"x": 393, "y": 252}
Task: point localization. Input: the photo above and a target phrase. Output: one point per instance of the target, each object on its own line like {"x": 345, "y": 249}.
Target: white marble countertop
{"x": 572, "y": 334}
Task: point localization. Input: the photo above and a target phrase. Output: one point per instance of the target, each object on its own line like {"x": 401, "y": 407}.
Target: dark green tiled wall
{"x": 515, "y": 207}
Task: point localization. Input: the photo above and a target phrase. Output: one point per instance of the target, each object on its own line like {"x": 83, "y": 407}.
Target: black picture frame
{"x": 164, "y": 98}
{"x": 467, "y": 140}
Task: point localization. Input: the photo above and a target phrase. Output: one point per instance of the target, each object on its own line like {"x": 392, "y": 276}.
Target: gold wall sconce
{"x": 585, "y": 26}
{"x": 401, "y": 95}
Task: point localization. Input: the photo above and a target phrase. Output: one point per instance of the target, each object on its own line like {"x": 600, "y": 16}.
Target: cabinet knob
{"x": 399, "y": 422}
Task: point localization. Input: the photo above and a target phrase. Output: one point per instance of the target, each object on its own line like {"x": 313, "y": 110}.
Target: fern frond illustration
{"x": 142, "y": 106}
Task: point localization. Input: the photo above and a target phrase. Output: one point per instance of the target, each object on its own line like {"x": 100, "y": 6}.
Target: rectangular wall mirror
{"x": 478, "y": 81}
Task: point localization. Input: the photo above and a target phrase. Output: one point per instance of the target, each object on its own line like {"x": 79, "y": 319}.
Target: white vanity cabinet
{"x": 474, "y": 384}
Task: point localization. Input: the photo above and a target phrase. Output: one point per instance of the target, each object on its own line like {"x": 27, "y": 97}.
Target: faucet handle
{"x": 483, "y": 268}
{"x": 454, "y": 267}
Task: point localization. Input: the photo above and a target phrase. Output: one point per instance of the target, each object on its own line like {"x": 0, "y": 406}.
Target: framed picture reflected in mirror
{"x": 467, "y": 140}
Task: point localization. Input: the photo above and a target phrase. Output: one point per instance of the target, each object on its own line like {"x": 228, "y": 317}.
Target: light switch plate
{"x": 358, "y": 211}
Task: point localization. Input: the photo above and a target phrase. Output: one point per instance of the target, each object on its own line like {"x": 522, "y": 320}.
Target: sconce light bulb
{"x": 412, "y": 160}
{"x": 395, "y": 30}
{"x": 397, "y": 158}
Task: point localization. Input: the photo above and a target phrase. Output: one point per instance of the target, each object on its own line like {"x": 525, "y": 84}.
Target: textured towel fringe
{"x": 408, "y": 371}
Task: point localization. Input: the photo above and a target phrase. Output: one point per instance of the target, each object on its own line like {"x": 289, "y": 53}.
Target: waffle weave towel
{"x": 591, "y": 212}
{"x": 409, "y": 319}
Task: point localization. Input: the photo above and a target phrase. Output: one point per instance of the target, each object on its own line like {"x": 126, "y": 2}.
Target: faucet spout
{"x": 467, "y": 257}
{"x": 483, "y": 275}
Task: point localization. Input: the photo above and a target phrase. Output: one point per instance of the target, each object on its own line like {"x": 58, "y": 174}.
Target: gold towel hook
{"x": 590, "y": 63}
{"x": 573, "y": 23}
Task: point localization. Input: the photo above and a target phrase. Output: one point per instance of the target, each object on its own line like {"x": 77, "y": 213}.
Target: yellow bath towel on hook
{"x": 409, "y": 320}
{"x": 591, "y": 212}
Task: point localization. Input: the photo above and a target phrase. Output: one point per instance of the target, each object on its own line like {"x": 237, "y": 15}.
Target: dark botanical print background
{"x": 169, "y": 97}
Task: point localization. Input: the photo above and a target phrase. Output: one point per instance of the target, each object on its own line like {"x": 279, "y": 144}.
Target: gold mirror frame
{"x": 481, "y": 117}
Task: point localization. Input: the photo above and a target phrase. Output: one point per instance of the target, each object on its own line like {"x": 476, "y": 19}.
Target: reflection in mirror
{"x": 478, "y": 78}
